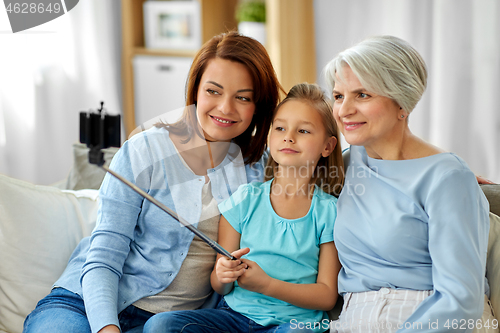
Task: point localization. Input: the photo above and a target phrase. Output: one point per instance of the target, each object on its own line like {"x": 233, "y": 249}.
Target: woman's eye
{"x": 212, "y": 92}
{"x": 244, "y": 99}
{"x": 337, "y": 97}
{"x": 363, "y": 95}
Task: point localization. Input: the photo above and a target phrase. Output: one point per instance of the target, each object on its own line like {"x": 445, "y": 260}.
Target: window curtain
{"x": 460, "y": 42}
{"x": 48, "y": 74}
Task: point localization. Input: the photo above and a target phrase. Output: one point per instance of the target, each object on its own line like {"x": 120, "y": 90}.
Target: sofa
{"x": 41, "y": 225}
{"x": 39, "y": 228}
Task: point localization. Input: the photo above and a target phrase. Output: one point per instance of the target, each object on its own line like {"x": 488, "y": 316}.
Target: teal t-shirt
{"x": 285, "y": 249}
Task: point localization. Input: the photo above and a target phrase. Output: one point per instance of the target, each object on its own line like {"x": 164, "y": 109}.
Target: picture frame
{"x": 172, "y": 25}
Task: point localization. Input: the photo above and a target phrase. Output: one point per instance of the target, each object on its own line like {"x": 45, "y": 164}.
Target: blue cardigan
{"x": 136, "y": 250}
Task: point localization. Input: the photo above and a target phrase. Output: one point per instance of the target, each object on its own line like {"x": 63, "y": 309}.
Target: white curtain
{"x": 460, "y": 42}
{"x": 48, "y": 74}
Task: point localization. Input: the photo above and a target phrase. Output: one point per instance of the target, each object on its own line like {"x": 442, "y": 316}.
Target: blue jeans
{"x": 220, "y": 320}
{"x": 62, "y": 311}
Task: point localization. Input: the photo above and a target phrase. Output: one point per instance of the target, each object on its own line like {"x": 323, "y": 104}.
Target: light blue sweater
{"x": 418, "y": 224}
{"x": 136, "y": 249}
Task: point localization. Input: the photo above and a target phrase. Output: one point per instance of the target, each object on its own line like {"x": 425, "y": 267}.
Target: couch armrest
{"x": 39, "y": 228}
{"x": 493, "y": 262}
{"x": 492, "y": 192}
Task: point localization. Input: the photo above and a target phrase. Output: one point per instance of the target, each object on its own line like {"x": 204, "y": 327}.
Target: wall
{"x": 460, "y": 42}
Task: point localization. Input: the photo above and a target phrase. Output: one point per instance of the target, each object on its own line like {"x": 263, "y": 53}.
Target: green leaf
{"x": 251, "y": 11}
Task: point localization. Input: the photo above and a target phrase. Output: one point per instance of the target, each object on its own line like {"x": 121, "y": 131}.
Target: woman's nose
{"x": 226, "y": 106}
{"x": 345, "y": 109}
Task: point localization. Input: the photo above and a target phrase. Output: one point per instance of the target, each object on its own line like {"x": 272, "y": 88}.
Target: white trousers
{"x": 386, "y": 310}
{"x": 377, "y": 311}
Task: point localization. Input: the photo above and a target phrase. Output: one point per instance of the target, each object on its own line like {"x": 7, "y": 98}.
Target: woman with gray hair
{"x": 412, "y": 225}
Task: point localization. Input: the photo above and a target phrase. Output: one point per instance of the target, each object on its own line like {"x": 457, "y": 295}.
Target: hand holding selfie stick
{"x": 99, "y": 131}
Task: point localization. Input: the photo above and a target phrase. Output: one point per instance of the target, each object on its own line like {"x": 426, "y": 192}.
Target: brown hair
{"x": 245, "y": 50}
{"x": 329, "y": 172}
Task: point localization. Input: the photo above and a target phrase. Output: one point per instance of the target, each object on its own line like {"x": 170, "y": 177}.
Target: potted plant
{"x": 251, "y": 17}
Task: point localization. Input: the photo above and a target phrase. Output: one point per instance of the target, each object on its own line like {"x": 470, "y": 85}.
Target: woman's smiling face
{"x": 225, "y": 100}
{"x": 365, "y": 119}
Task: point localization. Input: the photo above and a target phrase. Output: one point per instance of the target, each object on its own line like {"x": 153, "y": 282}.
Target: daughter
{"x": 283, "y": 227}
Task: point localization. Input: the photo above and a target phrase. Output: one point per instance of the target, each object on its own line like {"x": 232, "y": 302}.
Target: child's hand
{"x": 227, "y": 270}
{"x": 254, "y": 279}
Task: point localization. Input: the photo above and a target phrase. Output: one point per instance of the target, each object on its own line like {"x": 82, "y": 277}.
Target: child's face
{"x": 298, "y": 137}
{"x": 225, "y": 104}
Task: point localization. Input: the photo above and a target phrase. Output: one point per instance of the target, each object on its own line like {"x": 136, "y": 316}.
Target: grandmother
{"x": 412, "y": 225}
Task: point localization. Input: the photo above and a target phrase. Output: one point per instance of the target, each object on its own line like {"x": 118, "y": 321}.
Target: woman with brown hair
{"x": 138, "y": 260}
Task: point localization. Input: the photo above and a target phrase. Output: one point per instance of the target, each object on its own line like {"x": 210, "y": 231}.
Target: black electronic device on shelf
{"x": 98, "y": 131}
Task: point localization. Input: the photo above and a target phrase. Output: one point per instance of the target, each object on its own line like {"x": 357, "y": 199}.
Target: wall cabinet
{"x": 159, "y": 87}
{"x": 290, "y": 42}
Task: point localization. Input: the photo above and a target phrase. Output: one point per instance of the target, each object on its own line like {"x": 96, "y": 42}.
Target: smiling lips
{"x": 350, "y": 126}
{"x": 222, "y": 122}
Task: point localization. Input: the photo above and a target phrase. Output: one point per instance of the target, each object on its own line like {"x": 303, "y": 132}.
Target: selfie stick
{"x": 92, "y": 129}
{"x": 214, "y": 245}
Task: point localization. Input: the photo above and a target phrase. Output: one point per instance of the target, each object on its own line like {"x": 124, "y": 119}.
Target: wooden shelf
{"x": 290, "y": 41}
{"x": 291, "y": 46}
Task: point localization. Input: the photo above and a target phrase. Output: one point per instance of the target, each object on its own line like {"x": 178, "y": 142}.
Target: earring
{"x": 402, "y": 116}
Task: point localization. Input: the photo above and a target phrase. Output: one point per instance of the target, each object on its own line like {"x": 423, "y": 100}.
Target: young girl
{"x": 283, "y": 227}
{"x": 139, "y": 261}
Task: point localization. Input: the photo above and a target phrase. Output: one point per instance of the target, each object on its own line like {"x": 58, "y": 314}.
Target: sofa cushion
{"x": 492, "y": 192}
{"x": 39, "y": 228}
{"x": 493, "y": 262}
{"x": 84, "y": 175}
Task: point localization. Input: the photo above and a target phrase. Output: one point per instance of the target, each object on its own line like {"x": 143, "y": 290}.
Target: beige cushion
{"x": 492, "y": 192}
{"x": 84, "y": 175}
{"x": 39, "y": 228}
{"x": 493, "y": 263}
{"x": 491, "y": 308}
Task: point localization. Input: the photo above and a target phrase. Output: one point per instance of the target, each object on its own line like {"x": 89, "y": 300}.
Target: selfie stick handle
{"x": 198, "y": 233}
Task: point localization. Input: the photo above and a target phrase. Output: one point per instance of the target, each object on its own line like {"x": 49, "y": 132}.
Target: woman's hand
{"x": 482, "y": 180}
{"x": 109, "y": 329}
{"x": 229, "y": 271}
{"x": 254, "y": 278}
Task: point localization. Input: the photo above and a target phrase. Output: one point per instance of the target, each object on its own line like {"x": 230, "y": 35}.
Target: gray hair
{"x": 385, "y": 65}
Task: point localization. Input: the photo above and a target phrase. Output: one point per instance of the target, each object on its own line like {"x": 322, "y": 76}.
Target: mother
{"x": 412, "y": 225}
{"x": 139, "y": 261}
